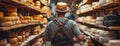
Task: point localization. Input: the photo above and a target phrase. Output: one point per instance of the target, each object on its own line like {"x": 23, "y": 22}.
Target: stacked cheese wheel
{"x": 37, "y": 5}
{"x": 36, "y": 30}
{"x": 85, "y": 8}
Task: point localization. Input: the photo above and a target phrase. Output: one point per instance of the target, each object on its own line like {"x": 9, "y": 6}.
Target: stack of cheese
{"x": 105, "y": 36}
{"x": 3, "y": 42}
{"x": 36, "y": 42}
{"x": 26, "y": 19}
{"x": 10, "y": 17}
{"x": 37, "y": 5}
{"x": 36, "y": 30}
{"x": 40, "y": 18}
{"x": 85, "y": 8}
{"x": 99, "y": 20}
{"x": 13, "y": 40}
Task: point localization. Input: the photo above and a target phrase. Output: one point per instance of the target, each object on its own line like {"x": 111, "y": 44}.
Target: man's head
{"x": 61, "y": 8}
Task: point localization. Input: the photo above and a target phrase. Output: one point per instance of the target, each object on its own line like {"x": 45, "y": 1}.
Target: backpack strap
{"x": 60, "y": 26}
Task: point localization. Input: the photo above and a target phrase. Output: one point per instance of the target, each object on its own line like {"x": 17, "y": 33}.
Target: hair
{"x": 61, "y": 13}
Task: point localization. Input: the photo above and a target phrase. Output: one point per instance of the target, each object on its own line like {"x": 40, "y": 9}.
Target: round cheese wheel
{"x": 27, "y": 18}
{"x": 3, "y": 41}
{"x": 44, "y": 20}
{"x": 84, "y": 28}
{"x": 104, "y": 39}
{"x": 27, "y": 34}
{"x": 20, "y": 38}
{"x": 23, "y": 1}
{"x": 100, "y": 19}
{"x": 38, "y": 3}
{"x": 16, "y": 44}
{"x": 1, "y": 15}
{"x": 11, "y": 14}
{"x": 29, "y": 1}
{"x": 12, "y": 40}
{"x": 13, "y": 34}
{"x": 109, "y": 1}
{"x": 24, "y": 21}
{"x": 21, "y": 32}
{"x": 11, "y": 9}
{"x": 102, "y": 2}
{"x": 5, "y": 19}
{"x": 45, "y": 9}
{"x": 6, "y": 24}
{"x": 44, "y": 2}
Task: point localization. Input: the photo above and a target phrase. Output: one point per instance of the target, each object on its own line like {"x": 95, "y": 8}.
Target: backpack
{"x": 60, "y": 38}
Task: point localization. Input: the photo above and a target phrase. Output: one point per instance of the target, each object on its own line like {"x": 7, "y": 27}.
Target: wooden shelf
{"x": 31, "y": 38}
{"x": 16, "y": 26}
{"x": 93, "y": 25}
{"x": 15, "y": 3}
{"x": 110, "y": 6}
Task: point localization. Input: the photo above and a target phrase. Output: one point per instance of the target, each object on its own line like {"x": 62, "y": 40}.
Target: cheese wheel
{"x": 114, "y": 42}
{"x": 20, "y": 38}
{"x": 3, "y": 41}
{"x": 44, "y": 20}
{"x": 13, "y": 34}
{"x": 16, "y": 44}
{"x": 1, "y": 15}
{"x": 11, "y": 9}
{"x": 38, "y": 3}
{"x": 21, "y": 32}
{"x": 45, "y": 9}
{"x": 11, "y": 14}
{"x": 100, "y": 18}
{"x": 6, "y": 24}
{"x": 24, "y": 21}
{"x": 44, "y": 2}
{"x": 27, "y": 34}
{"x": 27, "y": 18}
{"x": 84, "y": 28}
{"x": 12, "y": 40}
{"x": 102, "y": 2}
{"x": 23, "y": 1}
{"x": 29, "y": 1}
{"x": 5, "y": 19}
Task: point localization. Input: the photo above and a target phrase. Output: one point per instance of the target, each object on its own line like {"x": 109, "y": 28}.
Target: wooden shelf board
{"x": 106, "y": 6}
{"x": 31, "y": 38}
{"x": 16, "y": 26}
{"x": 93, "y": 25}
{"x": 16, "y": 3}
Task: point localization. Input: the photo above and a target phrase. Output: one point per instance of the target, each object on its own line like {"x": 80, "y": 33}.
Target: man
{"x": 71, "y": 15}
{"x": 61, "y": 31}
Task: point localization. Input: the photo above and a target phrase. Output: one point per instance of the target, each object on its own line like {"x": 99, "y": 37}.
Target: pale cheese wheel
{"x": 11, "y": 14}
{"x": 21, "y": 32}
{"x": 6, "y": 24}
{"x": 1, "y": 15}
{"x": 13, "y": 34}
{"x": 84, "y": 28}
{"x": 20, "y": 38}
{"x": 24, "y": 21}
{"x": 85, "y": 6}
{"x": 105, "y": 39}
{"x": 102, "y": 2}
{"x": 114, "y": 42}
{"x": 12, "y": 40}
{"x": 3, "y": 41}
{"x": 11, "y": 9}
{"x": 100, "y": 19}
{"x": 27, "y": 34}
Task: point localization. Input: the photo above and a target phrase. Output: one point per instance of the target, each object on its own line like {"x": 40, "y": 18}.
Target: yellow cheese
{"x": 44, "y": 2}
{"x": 27, "y": 18}
{"x": 13, "y": 34}
{"x": 27, "y": 34}
{"x": 11, "y": 14}
{"x": 24, "y": 21}
{"x": 6, "y": 24}
{"x": 20, "y": 38}
{"x": 29, "y": 1}
{"x": 16, "y": 44}
{"x": 1, "y": 15}
{"x": 43, "y": 20}
{"x": 45, "y": 9}
{"x": 23, "y": 1}
{"x": 12, "y": 40}
{"x": 5, "y": 19}
{"x": 38, "y": 3}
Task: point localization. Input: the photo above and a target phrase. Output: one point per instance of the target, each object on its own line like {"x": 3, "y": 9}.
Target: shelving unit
{"x": 31, "y": 38}
{"x": 110, "y": 6}
{"x": 93, "y": 25}
{"x": 16, "y": 26}
{"x": 15, "y": 3}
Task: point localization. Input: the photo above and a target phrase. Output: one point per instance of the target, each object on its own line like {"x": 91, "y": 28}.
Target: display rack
{"x": 31, "y": 38}
{"x": 93, "y": 25}
{"x": 16, "y": 26}
{"x": 110, "y": 6}
{"x": 15, "y": 3}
